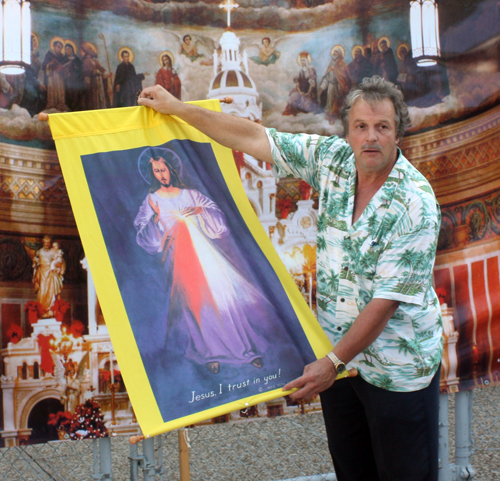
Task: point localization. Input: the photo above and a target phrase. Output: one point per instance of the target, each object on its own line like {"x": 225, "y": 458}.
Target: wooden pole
{"x": 183, "y": 455}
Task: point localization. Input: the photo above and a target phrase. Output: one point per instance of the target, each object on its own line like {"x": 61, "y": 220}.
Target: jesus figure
{"x": 207, "y": 293}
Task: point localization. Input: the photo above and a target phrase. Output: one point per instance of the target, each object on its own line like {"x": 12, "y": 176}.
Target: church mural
{"x": 294, "y": 62}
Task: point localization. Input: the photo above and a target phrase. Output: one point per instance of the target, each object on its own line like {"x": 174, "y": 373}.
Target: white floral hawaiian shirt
{"x": 387, "y": 253}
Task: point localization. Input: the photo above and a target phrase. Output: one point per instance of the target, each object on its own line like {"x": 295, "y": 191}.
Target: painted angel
{"x": 267, "y": 51}
{"x": 196, "y": 47}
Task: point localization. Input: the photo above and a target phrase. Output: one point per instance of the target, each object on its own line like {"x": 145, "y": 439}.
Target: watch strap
{"x": 336, "y": 361}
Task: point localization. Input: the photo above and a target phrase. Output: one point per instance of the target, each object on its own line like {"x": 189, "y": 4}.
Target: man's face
{"x": 303, "y": 61}
{"x": 166, "y": 61}
{"x": 58, "y": 47}
{"x": 372, "y": 136}
{"x": 265, "y": 42}
{"x": 47, "y": 241}
{"x": 161, "y": 172}
{"x": 383, "y": 45}
{"x": 357, "y": 53}
{"x": 126, "y": 57}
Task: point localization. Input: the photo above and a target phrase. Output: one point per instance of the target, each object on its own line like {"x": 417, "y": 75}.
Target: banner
{"x": 203, "y": 316}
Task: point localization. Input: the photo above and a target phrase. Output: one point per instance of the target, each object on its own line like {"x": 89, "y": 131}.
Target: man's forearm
{"x": 370, "y": 322}
{"x": 232, "y": 132}
{"x": 320, "y": 375}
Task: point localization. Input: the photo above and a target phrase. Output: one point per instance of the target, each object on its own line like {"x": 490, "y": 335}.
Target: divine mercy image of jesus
{"x": 207, "y": 292}
{"x": 210, "y": 317}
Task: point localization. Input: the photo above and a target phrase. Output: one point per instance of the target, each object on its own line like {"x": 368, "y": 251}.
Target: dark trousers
{"x": 379, "y": 435}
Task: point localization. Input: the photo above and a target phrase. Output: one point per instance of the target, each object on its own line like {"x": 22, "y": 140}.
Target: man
{"x": 167, "y": 77}
{"x": 127, "y": 83}
{"x": 205, "y": 289}
{"x": 335, "y": 84}
{"x": 377, "y": 234}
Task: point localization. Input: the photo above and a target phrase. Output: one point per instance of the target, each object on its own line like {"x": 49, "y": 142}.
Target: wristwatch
{"x": 339, "y": 365}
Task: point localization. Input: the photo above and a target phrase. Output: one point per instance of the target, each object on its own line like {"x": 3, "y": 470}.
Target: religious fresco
{"x": 296, "y": 60}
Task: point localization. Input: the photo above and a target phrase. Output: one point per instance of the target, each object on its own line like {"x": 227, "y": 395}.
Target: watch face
{"x": 340, "y": 368}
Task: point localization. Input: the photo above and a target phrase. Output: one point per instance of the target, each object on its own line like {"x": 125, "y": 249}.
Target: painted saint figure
{"x": 335, "y": 84}
{"x": 94, "y": 75}
{"x": 303, "y": 97}
{"x": 206, "y": 292}
{"x": 128, "y": 83}
{"x": 73, "y": 77}
{"x": 54, "y": 76}
{"x": 167, "y": 76}
{"x": 386, "y": 65}
{"x": 48, "y": 272}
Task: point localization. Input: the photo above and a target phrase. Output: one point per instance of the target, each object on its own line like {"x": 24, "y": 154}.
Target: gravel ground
{"x": 261, "y": 450}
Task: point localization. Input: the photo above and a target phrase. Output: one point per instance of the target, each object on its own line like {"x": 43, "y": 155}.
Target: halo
{"x": 86, "y": 46}
{"x": 303, "y": 54}
{"x": 168, "y": 53}
{"x": 35, "y": 40}
{"x": 129, "y": 50}
{"x": 386, "y": 39}
{"x": 73, "y": 44}
{"x": 398, "y": 51}
{"x": 355, "y": 48}
{"x": 53, "y": 40}
{"x": 338, "y": 47}
{"x": 167, "y": 154}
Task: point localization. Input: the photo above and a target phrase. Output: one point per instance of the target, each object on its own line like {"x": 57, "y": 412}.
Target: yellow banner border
{"x": 88, "y": 127}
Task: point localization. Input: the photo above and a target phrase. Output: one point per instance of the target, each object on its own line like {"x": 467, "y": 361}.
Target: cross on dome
{"x": 228, "y": 6}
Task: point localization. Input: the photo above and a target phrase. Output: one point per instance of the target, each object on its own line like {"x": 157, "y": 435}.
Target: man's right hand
{"x": 318, "y": 376}
{"x": 159, "y": 99}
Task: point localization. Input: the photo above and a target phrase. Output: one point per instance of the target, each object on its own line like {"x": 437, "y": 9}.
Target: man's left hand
{"x": 318, "y": 376}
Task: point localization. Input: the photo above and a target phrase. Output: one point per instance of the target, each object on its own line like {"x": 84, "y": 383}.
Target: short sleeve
{"x": 295, "y": 155}
{"x": 404, "y": 268}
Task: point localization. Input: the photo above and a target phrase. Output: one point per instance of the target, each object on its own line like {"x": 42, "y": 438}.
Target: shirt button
{"x": 339, "y": 328}
{"x": 342, "y": 299}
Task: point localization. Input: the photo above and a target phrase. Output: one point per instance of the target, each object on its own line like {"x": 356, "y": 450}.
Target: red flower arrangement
{"x": 15, "y": 333}
{"x": 34, "y": 311}
{"x": 88, "y": 422}
{"x": 59, "y": 308}
{"x": 442, "y": 295}
{"x": 285, "y": 206}
{"x": 61, "y": 420}
{"x": 106, "y": 375}
{"x": 305, "y": 190}
{"x": 77, "y": 329}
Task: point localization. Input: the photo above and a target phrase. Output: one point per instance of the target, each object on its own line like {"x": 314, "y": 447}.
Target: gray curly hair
{"x": 375, "y": 89}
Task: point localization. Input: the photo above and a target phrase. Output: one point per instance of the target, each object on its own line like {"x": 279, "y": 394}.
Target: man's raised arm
{"x": 232, "y": 132}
